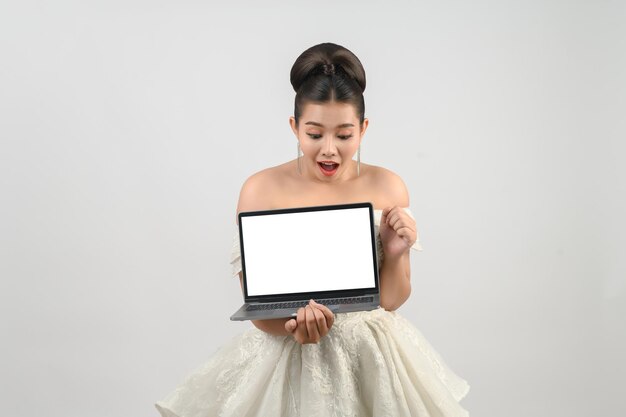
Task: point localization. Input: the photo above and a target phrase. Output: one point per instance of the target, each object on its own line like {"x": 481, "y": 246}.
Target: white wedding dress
{"x": 371, "y": 363}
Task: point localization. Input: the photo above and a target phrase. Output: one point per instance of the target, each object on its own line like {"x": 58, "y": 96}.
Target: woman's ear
{"x": 364, "y": 126}
{"x": 292, "y": 123}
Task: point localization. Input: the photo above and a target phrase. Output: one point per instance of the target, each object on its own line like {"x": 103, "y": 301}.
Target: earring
{"x": 299, "y": 166}
{"x": 358, "y": 161}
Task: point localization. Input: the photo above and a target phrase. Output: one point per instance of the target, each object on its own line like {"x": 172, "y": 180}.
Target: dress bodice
{"x": 235, "y": 258}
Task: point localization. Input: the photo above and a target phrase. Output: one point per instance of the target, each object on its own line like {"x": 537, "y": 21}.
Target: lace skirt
{"x": 371, "y": 363}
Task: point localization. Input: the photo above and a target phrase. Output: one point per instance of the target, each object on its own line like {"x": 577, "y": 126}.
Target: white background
{"x": 128, "y": 127}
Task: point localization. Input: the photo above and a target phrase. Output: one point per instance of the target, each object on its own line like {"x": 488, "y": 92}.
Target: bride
{"x": 366, "y": 363}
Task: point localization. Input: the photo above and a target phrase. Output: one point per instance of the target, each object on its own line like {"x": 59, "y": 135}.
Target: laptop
{"x": 288, "y": 256}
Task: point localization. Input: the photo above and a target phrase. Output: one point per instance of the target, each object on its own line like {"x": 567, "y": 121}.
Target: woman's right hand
{"x": 312, "y": 323}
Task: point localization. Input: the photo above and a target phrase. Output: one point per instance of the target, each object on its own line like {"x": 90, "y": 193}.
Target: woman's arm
{"x": 395, "y": 281}
{"x": 271, "y": 326}
{"x": 395, "y": 270}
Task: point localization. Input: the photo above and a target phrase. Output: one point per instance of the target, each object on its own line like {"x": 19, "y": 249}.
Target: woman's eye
{"x": 317, "y": 136}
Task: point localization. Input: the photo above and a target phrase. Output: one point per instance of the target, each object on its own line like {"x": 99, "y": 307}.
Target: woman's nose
{"x": 329, "y": 146}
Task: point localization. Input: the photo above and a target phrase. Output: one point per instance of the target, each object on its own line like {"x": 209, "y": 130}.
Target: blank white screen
{"x": 309, "y": 251}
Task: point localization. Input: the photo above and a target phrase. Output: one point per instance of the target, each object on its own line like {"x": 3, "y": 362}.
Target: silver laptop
{"x": 288, "y": 256}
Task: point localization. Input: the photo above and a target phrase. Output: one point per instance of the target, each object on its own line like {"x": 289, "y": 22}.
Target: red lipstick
{"x": 328, "y": 168}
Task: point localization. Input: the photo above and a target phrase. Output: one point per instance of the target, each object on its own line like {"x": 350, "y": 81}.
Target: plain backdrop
{"x": 128, "y": 127}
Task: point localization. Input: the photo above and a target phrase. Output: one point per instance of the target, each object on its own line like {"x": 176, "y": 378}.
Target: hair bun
{"x": 328, "y": 69}
{"x": 327, "y": 59}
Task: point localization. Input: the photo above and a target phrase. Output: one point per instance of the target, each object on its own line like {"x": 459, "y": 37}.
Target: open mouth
{"x": 328, "y": 168}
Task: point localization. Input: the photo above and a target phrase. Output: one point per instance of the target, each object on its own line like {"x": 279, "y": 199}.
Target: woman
{"x": 367, "y": 363}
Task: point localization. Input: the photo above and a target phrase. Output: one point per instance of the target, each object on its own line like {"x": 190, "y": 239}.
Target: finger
{"x": 328, "y": 314}
{"x": 391, "y": 220}
{"x": 321, "y": 322}
{"x": 290, "y": 325}
{"x": 406, "y": 231}
{"x": 395, "y": 213}
{"x": 406, "y": 234}
{"x": 299, "y": 336}
{"x": 396, "y": 217}
{"x": 311, "y": 324}
{"x": 401, "y": 224}
{"x": 301, "y": 320}
{"x": 384, "y": 214}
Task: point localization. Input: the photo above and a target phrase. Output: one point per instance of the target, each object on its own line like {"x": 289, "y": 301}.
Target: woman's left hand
{"x": 397, "y": 231}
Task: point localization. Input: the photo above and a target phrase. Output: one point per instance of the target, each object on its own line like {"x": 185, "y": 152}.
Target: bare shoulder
{"x": 390, "y": 186}
{"x": 257, "y": 190}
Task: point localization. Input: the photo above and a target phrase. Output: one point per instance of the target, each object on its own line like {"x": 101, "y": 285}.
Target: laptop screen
{"x": 298, "y": 252}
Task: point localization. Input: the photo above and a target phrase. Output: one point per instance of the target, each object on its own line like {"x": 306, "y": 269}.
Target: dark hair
{"x": 328, "y": 72}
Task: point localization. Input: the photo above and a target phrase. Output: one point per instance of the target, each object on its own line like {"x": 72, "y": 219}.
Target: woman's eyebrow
{"x": 321, "y": 125}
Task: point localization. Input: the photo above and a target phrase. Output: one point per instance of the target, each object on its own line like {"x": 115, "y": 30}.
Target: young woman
{"x": 367, "y": 363}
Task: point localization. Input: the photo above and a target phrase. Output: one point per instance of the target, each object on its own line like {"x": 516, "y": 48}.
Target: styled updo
{"x": 328, "y": 72}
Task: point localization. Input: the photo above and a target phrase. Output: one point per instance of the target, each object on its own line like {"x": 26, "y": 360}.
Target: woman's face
{"x": 328, "y": 132}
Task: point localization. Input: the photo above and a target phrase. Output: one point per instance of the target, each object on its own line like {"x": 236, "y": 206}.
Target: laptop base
{"x": 244, "y": 314}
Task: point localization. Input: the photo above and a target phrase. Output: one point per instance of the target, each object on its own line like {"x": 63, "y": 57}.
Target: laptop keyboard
{"x": 298, "y": 304}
